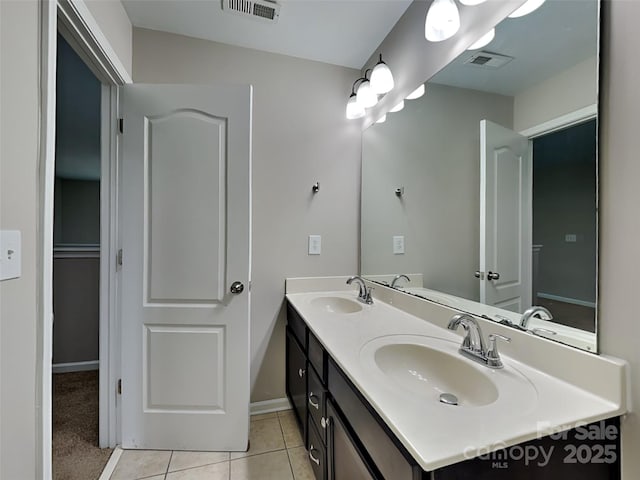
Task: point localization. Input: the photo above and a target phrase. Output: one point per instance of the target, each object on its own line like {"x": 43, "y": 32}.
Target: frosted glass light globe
{"x": 366, "y": 96}
{"x": 354, "y": 109}
{"x": 442, "y": 22}
{"x": 381, "y": 78}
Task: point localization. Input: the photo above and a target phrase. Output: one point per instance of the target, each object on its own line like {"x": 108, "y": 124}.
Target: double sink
{"x": 430, "y": 366}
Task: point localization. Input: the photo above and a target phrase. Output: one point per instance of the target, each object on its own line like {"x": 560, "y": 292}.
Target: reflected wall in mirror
{"x": 484, "y": 189}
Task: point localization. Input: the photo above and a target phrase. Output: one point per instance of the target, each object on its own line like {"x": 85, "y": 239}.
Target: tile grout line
{"x": 197, "y": 466}
{"x": 286, "y": 447}
{"x": 168, "y": 465}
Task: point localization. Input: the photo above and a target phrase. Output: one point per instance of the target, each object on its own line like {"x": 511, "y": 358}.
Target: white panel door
{"x": 505, "y": 218}
{"x": 186, "y": 165}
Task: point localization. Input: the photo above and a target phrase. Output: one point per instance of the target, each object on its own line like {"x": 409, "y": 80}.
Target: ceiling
{"x": 560, "y": 34}
{"x": 339, "y": 32}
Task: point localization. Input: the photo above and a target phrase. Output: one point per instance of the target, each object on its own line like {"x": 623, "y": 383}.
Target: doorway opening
{"x": 565, "y": 224}
{"x": 76, "y": 270}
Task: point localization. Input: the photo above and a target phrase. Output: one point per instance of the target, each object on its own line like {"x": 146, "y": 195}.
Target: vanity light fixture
{"x": 417, "y": 93}
{"x": 398, "y": 107}
{"x": 443, "y": 20}
{"x": 382, "y": 119}
{"x": 528, "y": 7}
{"x": 381, "y": 78}
{"x": 483, "y": 40}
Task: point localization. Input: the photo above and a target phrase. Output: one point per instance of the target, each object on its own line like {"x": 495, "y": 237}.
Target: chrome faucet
{"x": 541, "y": 312}
{"x": 398, "y": 277}
{"x": 473, "y": 345}
{"x": 364, "y": 293}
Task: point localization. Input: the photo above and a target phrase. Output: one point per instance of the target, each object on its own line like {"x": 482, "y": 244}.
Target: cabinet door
{"x": 296, "y": 381}
{"x": 345, "y": 461}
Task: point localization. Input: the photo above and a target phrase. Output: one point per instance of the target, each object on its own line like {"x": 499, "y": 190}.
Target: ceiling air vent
{"x": 261, "y": 10}
{"x": 488, "y": 60}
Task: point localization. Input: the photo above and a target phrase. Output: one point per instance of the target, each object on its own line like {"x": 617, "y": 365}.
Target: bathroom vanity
{"x": 364, "y": 382}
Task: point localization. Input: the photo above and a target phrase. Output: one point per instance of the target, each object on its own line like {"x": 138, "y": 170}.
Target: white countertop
{"x": 435, "y": 434}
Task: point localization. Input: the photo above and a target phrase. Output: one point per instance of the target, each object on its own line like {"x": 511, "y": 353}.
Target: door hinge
{"x": 121, "y": 125}
{"x": 119, "y": 386}
{"x": 119, "y": 259}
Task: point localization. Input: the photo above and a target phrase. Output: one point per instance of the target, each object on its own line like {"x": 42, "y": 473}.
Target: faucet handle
{"x": 368, "y": 299}
{"x": 493, "y": 356}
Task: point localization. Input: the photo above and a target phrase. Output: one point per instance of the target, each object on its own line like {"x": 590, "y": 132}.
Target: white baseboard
{"x": 111, "y": 464}
{"x": 573, "y": 301}
{"x": 268, "y": 406}
{"x": 75, "y": 367}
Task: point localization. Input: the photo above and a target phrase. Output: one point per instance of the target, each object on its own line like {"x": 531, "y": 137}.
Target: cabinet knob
{"x": 301, "y": 372}
{"x": 237, "y": 288}
{"x": 324, "y": 422}
{"x": 493, "y": 276}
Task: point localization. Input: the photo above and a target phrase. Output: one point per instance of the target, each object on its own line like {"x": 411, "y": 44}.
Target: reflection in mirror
{"x": 483, "y": 191}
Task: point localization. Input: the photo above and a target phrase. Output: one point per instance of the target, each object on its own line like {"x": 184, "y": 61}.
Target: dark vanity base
{"x": 347, "y": 439}
{"x": 591, "y": 452}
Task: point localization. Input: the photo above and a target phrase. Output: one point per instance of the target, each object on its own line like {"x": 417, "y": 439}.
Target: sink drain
{"x": 448, "y": 399}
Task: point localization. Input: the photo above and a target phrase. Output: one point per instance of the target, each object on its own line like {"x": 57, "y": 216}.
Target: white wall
{"x": 431, "y": 148}
{"x": 619, "y": 328}
{"x": 18, "y": 211}
{"x": 566, "y": 92}
{"x": 116, "y": 27}
{"x": 300, "y": 136}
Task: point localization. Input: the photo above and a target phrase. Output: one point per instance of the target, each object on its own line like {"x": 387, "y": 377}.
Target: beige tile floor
{"x": 276, "y": 453}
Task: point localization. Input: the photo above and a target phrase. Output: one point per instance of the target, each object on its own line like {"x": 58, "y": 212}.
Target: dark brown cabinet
{"x": 347, "y": 440}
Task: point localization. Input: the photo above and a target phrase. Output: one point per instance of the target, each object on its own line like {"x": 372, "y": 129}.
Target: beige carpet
{"x": 76, "y": 455}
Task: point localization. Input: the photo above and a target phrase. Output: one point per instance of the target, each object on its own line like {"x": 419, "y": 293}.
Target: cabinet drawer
{"x": 317, "y": 357}
{"x": 297, "y": 326}
{"x": 317, "y": 453}
{"x": 379, "y": 442}
{"x": 317, "y": 403}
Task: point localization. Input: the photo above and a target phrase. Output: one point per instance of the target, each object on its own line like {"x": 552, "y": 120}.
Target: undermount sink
{"x": 427, "y": 367}
{"x": 336, "y": 304}
{"x": 427, "y": 371}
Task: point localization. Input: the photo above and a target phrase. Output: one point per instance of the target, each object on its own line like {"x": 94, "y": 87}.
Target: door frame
{"x": 576, "y": 117}
{"x": 78, "y": 26}
{"x": 560, "y": 123}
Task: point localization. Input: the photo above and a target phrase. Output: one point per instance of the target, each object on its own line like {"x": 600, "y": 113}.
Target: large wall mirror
{"x": 482, "y": 193}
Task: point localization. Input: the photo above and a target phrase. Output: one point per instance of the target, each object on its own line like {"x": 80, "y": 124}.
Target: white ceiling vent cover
{"x": 261, "y": 10}
{"x": 488, "y": 60}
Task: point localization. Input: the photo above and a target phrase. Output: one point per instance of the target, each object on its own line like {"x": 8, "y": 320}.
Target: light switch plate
{"x": 398, "y": 244}
{"x": 10, "y": 252}
{"x": 315, "y": 244}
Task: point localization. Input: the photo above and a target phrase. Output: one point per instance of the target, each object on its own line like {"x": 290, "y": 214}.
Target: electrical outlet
{"x": 570, "y": 238}
{"x": 315, "y": 244}
{"x": 398, "y": 245}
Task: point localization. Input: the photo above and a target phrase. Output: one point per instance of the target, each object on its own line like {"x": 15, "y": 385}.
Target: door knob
{"x": 493, "y": 276}
{"x": 479, "y": 274}
{"x": 237, "y": 287}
